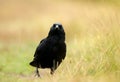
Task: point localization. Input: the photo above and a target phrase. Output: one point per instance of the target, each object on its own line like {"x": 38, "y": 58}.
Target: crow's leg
{"x": 52, "y": 68}
{"x": 55, "y": 65}
{"x": 52, "y": 71}
{"x": 37, "y": 72}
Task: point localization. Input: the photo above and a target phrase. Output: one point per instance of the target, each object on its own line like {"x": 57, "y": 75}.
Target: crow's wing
{"x": 41, "y": 47}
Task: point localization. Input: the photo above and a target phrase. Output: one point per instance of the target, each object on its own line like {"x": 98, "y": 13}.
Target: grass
{"x": 92, "y": 37}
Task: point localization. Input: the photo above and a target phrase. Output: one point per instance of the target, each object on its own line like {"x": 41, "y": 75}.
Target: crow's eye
{"x": 54, "y": 25}
{"x": 60, "y": 26}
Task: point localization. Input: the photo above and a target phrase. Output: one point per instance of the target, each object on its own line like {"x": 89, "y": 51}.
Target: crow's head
{"x": 57, "y": 30}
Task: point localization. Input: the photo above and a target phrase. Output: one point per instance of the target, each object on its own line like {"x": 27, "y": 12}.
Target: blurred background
{"x": 92, "y": 36}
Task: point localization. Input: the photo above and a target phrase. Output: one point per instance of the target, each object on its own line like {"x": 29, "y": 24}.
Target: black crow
{"x": 51, "y": 50}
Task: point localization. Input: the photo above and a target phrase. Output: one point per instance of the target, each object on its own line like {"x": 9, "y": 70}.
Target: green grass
{"x": 92, "y": 38}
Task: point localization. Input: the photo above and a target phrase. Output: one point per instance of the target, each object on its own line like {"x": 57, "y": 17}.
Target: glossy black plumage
{"x": 51, "y": 50}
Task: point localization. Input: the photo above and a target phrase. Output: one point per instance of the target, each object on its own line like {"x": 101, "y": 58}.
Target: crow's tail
{"x": 34, "y": 64}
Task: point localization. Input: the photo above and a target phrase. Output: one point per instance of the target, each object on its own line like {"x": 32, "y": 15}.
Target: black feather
{"x": 51, "y": 50}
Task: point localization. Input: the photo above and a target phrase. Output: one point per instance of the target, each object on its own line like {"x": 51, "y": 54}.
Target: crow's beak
{"x": 56, "y": 27}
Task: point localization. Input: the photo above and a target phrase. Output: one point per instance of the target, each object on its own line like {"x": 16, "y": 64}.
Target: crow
{"x": 51, "y": 50}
